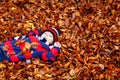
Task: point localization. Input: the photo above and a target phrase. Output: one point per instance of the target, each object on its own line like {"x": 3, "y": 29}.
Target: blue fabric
{"x": 2, "y": 57}
{"x": 34, "y": 54}
{"x": 15, "y": 48}
{"x": 21, "y": 57}
{"x": 57, "y": 48}
{"x": 8, "y": 59}
{"x": 40, "y": 55}
{"x": 45, "y": 46}
{"x": 50, "y": 55}
{"x": 39, "y": 31}
{"x": 28, "y": 40}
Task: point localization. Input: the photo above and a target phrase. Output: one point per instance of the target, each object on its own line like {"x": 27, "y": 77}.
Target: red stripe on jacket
{"x": 44, "y": 57}
{"x": 22, "y": 45}
{"x": 54, "y": 51}
{"x": 13, "y": 58}
{"x": 27, "y": 53}
{"x": 33, "y": 32}
{"x": 34, "y": 39}
{"x": 36, "y": 32}
{"x": 10, "y": 48}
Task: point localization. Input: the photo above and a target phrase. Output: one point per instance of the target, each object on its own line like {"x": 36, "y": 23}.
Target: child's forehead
{"x": 47, "y": 32}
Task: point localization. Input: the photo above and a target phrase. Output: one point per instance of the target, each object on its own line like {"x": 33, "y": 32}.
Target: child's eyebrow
{"x": 50, "y": 35}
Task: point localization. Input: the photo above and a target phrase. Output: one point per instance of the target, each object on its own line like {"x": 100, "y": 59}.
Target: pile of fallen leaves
{"x": 90, "y": 38}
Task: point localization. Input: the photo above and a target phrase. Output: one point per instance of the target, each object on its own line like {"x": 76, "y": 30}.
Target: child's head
{"x": 51, "y": 34}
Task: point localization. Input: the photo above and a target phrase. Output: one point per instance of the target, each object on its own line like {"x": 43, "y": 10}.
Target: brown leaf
{"x": 61, "y": 22}
{"x": 101, "y": 66}
{"x": 77, "y": 13}
{"x": 34, "y": 45}
{"x": 2, "y": 66}
{"x": 67, "y": 64}
{"x": 27, "y": 45}
{"x": 72, "y": 72}
{"x": 67, "y": 21}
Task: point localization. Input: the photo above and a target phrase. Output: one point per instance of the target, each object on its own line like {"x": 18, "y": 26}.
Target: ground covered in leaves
{"x": 90, "y": 38}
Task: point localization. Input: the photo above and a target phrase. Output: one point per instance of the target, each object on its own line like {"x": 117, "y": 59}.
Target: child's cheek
{"x": 49, "y": 39}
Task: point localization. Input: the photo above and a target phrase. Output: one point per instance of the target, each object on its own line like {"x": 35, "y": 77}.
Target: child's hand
{"x": 19, "y": 42}
{"x": 57, "y": 44}
{"x": 34, "y": 45}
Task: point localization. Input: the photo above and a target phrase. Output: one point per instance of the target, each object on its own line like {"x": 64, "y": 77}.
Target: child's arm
{"x": 46, "y": 55}
{"x": 51, "y": 54}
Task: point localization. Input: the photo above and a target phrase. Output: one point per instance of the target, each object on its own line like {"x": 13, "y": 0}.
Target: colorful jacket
{"x": 43, "y": 51}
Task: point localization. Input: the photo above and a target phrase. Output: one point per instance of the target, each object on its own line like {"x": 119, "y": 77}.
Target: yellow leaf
{"x": 113, "y": 11}
{"x": 32, "y": 1}
{"x": 48, "y": 76}
{"x": 61, "y": 22}
{"x": 101, "y": 66}
{"x": 77, "y": 13}
{"x": 13, "y": 8}
{"x": 29, "y": 26}
{"x": 72, "y": 72}
{"x": 2, "y": 65}
{"x": 27, "y": 45}
{"x": 38, "y": 75}
{"x": 24, "y": 49}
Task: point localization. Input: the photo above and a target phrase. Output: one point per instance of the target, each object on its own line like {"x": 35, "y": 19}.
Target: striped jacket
{"x": 43, "y": 51}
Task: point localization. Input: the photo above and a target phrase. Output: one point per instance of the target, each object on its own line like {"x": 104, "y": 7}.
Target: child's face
{"x": 48, "y": 36}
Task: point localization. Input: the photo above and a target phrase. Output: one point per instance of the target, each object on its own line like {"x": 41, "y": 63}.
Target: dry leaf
{"x": 34, "y": 45}
{"x": 113, "y": 11}
{"x": 77, "y": 13}
{"x": 27, "y": 45}
{"x": 61, "y": 22}
{"x": 29, "y": 26}
{"x": 90, "y": 38}
{"x": 2, "y": 66}
{"x": 72, "y": 72}
{"x": 67, "y": 65}
{"x": 101, "y": 66}
{"x": 67, "y": 22}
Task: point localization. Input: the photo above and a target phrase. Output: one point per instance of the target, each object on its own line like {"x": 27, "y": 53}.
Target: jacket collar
{"x": 45, "y": 45}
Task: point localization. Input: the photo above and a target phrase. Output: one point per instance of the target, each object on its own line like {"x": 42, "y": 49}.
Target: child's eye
{"x": 50, "y": 35}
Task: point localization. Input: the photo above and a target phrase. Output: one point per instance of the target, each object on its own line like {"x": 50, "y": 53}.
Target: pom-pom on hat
{"x": 55, "y": 31}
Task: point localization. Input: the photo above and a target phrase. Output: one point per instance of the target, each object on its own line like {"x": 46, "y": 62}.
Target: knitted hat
{"x": 55, "y": 31}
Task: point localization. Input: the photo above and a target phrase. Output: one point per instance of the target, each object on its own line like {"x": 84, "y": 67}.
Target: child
{"x": 34, "y": 44}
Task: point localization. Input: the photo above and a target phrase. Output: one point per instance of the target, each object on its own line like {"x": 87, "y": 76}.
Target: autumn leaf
{"x": 29, "y": 26}
{"x": 27, "y": 45}
{"x": 90, "y": 38}
{"x": 2, "y": 66}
